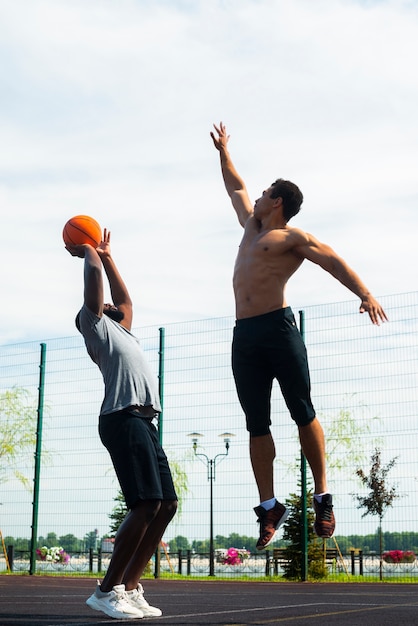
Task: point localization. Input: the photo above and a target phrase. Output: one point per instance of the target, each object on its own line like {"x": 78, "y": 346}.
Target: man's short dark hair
{"x": 290, "y": 194}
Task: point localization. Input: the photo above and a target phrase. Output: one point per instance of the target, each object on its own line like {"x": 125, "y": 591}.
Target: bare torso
{"x": 265, "y": 262}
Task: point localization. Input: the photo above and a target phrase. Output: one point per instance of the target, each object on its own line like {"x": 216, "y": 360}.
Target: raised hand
{"x": 79, "y": 250}
{"x": 221, "y": 141}
{"x": 103, "y": 249}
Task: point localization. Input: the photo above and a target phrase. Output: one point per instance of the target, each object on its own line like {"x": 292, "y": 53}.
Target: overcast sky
{"x": 106, "y": 108}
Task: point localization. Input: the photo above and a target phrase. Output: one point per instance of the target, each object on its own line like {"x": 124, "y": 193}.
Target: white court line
{"x": 266, "y": 608}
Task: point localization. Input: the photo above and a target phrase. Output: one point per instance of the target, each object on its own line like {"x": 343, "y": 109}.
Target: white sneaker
{"x": 115, "y": 603}
{"x": 136, "y": 599}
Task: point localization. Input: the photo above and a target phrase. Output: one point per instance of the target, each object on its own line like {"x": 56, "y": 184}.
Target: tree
{"x": 344, "y": 435}
{"x": 380, "y": 497}
{"x": 49, "y": 541}
{"x": 19, "y": 544}
{"x": 70, "y": 543}
{"x": 118, "y": 513}
{"x": 179, "y": 543}
{"x": 292, "y": 532}
{"x": 241, "y": 541}
{"x": 17, "y": 433}
{"x": 90, "y": 540}
{"x": 200, "y": 546}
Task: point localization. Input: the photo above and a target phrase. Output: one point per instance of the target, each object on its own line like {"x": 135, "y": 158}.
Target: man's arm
{"x": 120, "y": 295}
{"x": 324, "y": 256}
{"x": 94, "y": 262}
{"x": 234, "y": 184}
{"x": 93, "y": 280}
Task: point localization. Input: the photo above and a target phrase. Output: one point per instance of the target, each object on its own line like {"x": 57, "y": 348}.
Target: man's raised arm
{"x": 120, "y": 295}
{"x": 93, "y": 280}
{"x": 234, "y": 184}
{"x": 324, "y": 256}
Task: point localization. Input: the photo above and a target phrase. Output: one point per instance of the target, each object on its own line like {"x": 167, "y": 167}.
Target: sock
{"x": 318, "y": 496}
{"x": 268, "y": 504}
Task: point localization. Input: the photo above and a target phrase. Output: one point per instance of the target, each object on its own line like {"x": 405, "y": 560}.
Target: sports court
{"x": 51, "y": 601}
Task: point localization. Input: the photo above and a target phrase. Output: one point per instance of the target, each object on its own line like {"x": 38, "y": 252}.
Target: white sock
{"x": 318, "y": 496}
{"x": 268, "y": 504}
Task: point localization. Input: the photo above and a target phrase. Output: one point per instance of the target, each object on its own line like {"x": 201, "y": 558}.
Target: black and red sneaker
{"x": 324, "y": 525}
{"x": 269, "y": 522}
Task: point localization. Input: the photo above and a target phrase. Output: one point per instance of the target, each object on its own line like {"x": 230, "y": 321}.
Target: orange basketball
{"x": 82, "y": 229}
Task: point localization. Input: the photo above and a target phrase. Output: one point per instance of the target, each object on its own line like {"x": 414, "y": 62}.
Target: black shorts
{"x": 266, "y": 347}
{"x": 138, "y": 458}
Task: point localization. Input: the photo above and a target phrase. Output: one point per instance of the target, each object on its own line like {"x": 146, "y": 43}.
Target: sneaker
{"x": 114, "y": 604}
{"x": 269, "y": 522}
{"x": 136, "y": 599}
{"x": 324, "y": 525}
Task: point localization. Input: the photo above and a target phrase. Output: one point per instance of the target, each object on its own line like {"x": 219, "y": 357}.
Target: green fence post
{"x": 38, "y": 450}
{"x": 304, "y": 513}
{"x": 160, "y": 425}
{"x": 161, "y": 381}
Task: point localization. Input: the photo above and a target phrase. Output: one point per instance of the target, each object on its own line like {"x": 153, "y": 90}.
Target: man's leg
{"x": 262, "y": 454}
{"x": 129, "y": 536}
{"x": 313, "y": 445}
{"x": 148, "y": 544}
{"x": 141, "y": 557}
{"x": 121, "y": 595}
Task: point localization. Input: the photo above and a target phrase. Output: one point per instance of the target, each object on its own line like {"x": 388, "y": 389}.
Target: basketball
{"x": 82, "y": 229}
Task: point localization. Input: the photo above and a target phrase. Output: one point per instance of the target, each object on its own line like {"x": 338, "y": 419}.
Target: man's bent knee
{"x": 259, "y": 432}
{"x": 306, "y": 420}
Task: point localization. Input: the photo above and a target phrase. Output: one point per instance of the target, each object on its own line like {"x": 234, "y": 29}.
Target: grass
{"x": 331, "y": 578}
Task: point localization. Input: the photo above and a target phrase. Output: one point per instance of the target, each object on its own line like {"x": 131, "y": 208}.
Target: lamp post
{"x": 211, "y": 466}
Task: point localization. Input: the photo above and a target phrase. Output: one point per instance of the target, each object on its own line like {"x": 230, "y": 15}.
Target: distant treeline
{"x": 367, "y": 543}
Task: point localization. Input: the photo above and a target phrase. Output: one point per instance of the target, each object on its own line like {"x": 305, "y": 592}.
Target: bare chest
{"x": 259, "y": 247}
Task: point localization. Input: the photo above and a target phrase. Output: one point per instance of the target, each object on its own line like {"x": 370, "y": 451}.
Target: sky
{"x": 106, "y": 109}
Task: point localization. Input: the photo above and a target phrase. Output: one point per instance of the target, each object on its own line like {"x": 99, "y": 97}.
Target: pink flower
{"x": 399, "y": 556}
{"x": 64, "y": 557}
{"x": 234, "y": 556}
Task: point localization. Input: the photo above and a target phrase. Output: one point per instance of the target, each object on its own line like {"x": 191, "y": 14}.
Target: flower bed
{"x": 232, "y": 556}
{"x": 55, "y": 554}
{"x": 399, "y": 556}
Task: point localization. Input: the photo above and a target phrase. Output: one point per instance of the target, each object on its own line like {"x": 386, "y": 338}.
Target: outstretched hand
{"x": 103, "y": 249}
{"x": 78, "y": 250}
{"x": 371, "y": 306}
{"x": 221, "y": 141}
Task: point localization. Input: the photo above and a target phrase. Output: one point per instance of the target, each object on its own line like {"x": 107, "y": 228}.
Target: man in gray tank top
{"x": 126, "y": 428}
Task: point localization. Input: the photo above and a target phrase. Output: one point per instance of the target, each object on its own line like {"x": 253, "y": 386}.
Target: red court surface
{"x": 54, "y": 601}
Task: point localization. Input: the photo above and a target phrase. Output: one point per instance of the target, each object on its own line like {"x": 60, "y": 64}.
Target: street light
{"x": 211, "y": 465}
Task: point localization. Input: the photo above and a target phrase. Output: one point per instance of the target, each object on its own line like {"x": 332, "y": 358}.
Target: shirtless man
{"x": 267, "y": 343}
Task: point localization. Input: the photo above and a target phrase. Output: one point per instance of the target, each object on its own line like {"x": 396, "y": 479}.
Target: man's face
{"x": 264, "y": 204}
{"x": 113, "y": 312}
